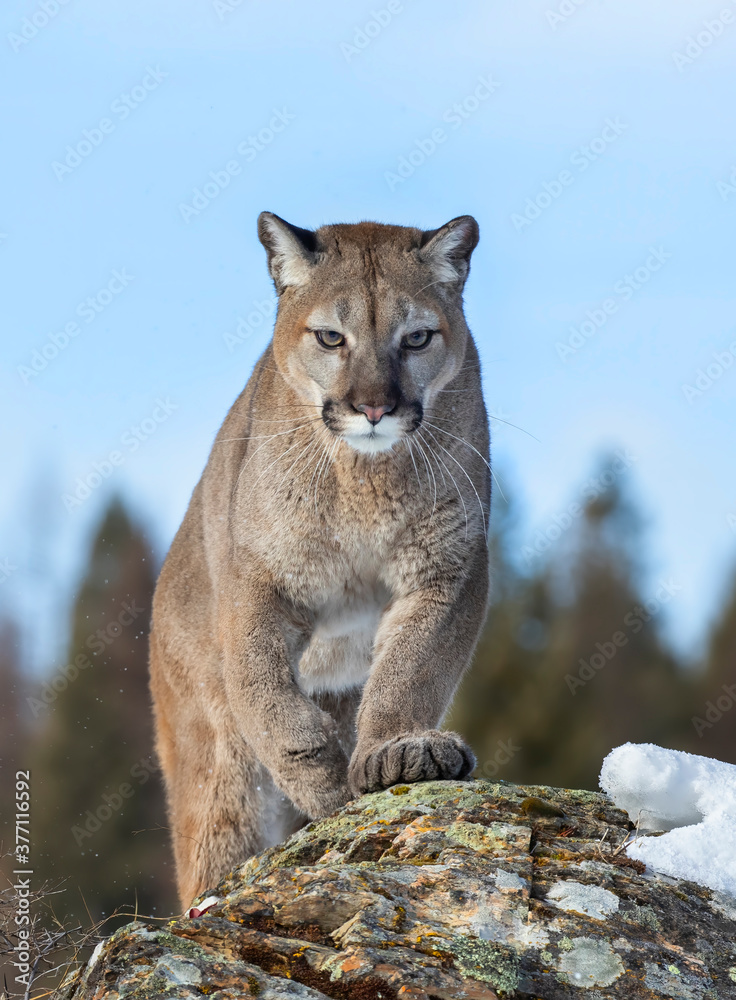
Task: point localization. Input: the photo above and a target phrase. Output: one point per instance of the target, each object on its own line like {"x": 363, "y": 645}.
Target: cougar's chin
{"x": 371, "y": 444}
{"x": 370, "y": 440}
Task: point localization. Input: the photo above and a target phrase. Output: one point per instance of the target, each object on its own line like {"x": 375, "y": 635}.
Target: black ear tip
{"x": 463, "y": 226}
{"x": 470, "y": 224}
{"x": 264, "y": 218}
{"x": 267, "y": 223}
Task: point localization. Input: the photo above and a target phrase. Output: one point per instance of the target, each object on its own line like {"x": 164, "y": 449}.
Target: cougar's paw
{"x": 429, "y": 756}
{"x": 315, "y": 775}
{"x": 319, "y": 802}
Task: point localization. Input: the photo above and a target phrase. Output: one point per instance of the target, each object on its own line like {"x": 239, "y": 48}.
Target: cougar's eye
{"x": 329, "y": 338}
{"x": 417, "y": 339}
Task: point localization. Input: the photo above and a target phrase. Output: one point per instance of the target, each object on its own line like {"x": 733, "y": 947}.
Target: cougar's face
{"x": 370, "y": 325}
{"x": 373, "y": 376}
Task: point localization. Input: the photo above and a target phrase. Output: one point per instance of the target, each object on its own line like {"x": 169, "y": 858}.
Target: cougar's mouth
{"x": 369, "y": 437}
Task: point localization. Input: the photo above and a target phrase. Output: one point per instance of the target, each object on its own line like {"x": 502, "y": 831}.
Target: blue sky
{"x": 594, "y": 142}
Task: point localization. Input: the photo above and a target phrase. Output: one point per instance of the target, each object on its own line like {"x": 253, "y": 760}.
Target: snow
{"x": 691, "y": 798}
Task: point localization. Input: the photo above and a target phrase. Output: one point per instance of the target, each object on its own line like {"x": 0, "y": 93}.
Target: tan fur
{"x": 325, "y": 591}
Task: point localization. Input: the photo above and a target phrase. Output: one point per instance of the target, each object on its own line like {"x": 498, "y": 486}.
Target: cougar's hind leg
{"x": 217, "y": 813}
{"x": 214, "y": 786}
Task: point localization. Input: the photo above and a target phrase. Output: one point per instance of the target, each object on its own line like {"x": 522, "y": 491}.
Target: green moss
{"x": 478, "y": 837}
{"x": 486, "y": 962}
{"x": 399, "y": 790}
{"x": 585, "y": 795}
{"x": 424, "y": 793}
{"x": 288, "y": 858}
{"x": 181, "y": 946}
{"x": 644, "y": 916}
{"x": 155, "y": 986}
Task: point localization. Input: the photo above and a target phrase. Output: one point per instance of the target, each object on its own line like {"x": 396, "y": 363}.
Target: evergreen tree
{"x": 13, "y": 728}
{"x": 96, "y": 783}
{"x": 571, "y": 663}
{"x": 713, "y": 709}
{"x": 13, "y": 738}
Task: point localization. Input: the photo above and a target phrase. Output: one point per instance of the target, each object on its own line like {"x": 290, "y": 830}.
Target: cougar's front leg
{"x": 290, "y": 734}
{"x": 423, "y": 645}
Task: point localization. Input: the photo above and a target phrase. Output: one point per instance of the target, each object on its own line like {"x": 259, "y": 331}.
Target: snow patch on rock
{"x": 691, "y": 798}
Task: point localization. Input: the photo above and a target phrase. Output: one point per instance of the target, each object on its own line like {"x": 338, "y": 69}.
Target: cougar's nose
{"x": 374, "y": 413}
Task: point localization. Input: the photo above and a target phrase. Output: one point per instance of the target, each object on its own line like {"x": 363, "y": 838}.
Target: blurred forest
{"x": 572, "y": 662}
{"x": 98, "y": 820}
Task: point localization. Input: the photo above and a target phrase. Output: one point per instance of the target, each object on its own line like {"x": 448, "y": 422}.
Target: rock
{"x": 445, "y": 889}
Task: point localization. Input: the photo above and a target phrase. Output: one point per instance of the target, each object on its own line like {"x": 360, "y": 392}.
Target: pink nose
{"x": 374, "y": 413}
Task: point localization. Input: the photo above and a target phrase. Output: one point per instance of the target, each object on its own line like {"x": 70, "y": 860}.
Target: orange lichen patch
{"x": 350, "y": 964}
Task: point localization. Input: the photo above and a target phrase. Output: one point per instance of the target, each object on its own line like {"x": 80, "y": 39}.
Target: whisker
{"x": 263, "y": 445}
{"x": 493, "y": 416}
{"x": 431, "y": 453}
{"x": 328, "y": 464}
{"x": 477, "y": 360}
{"x": 316, "y": 469}
{"x": 311, "y": 447}
{"x": 416, "y": 471}
{"x": 269, "y": 437}
{"x": 323, "y": 468}
{"x": 473, "y": 448}
{"x": 278, "y": 420}
{"x": 485, "y": 361}
{"x": 462, "y": 468}
{"x": 266, "y": 437}
{"x": 330, "y": 460}
{"x": 247, "y": 461}
{"x": 441, "y": 430}
{"x": 465, "y": 509}
{"x": 271, "y": 464}
{"x": 430, "y": 472}
{"x": 292, "y": 405}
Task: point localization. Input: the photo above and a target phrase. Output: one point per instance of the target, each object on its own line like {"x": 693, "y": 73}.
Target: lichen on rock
{"x": 437, "y": 891}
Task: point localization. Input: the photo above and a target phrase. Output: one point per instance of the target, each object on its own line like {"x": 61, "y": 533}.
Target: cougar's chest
{"x": 339, "y": 653}
{"x": 341, "y": 585}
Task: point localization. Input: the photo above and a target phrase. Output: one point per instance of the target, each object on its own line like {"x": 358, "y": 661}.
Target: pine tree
{"x": 13, "y": 738}
{"x": 13, "y": 724}
{"x": 95, "y": 777}
{"x": 571, "y": 662}
{"x": 713, "y": 708}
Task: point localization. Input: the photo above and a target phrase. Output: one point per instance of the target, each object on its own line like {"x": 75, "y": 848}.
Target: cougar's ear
{"x": 447, "y": 250}
{"x": 292, "y": 252}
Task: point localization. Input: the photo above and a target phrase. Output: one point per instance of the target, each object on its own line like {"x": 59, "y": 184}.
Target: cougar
{"x": 325, "y": 591}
